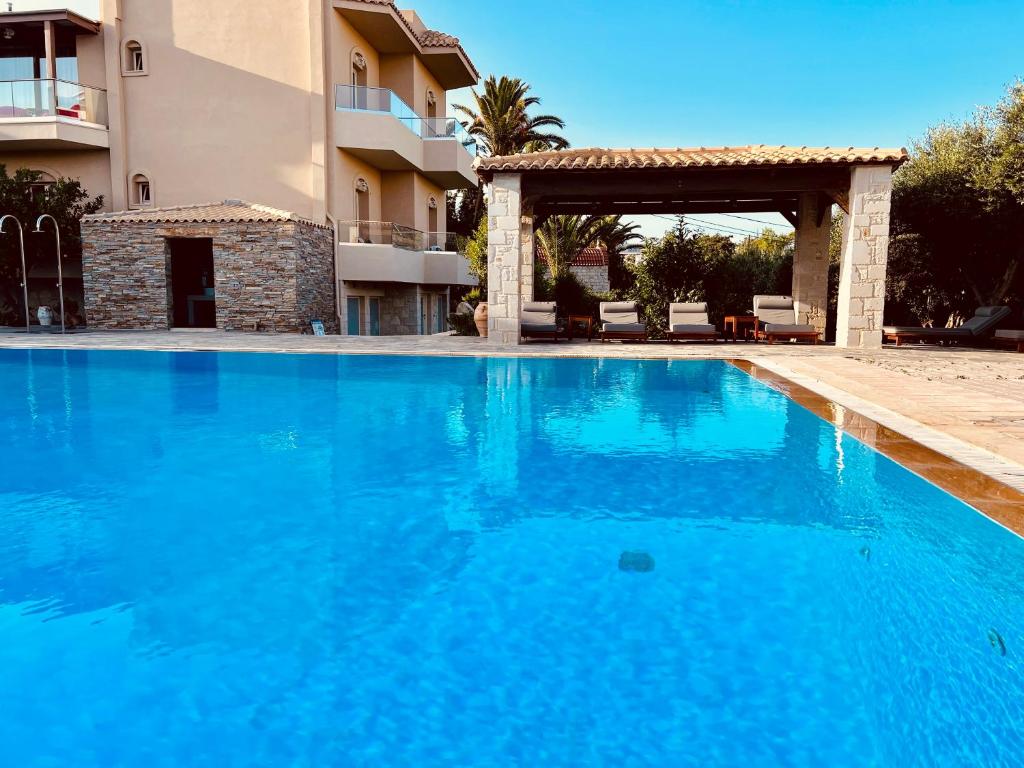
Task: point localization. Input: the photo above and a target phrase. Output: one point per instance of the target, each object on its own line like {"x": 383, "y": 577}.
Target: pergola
{"x": 801, "y": 183}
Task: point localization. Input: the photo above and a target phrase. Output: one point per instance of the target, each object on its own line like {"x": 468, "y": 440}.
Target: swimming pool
{"x": 269, "y": 560}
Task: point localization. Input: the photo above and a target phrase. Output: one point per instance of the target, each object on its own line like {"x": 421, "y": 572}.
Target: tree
{"x": 502, "y": 124}
{"x": 687, "y": 266}
{"x": 26, "y": 198}
{"x": 476, "y": 252}
{"x": 957, "y": 215}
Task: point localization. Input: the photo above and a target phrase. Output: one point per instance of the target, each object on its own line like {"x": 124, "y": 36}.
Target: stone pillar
{"x": 504, "y": 258}
{"x": 810, "y": 260}
{"x": 526, "y": 251}
{"x": 864, "y": 256}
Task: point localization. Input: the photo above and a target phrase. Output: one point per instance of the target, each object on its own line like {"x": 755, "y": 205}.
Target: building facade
{"x": 331, "y": 112}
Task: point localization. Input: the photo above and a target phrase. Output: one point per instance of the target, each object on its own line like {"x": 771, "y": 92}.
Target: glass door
{"x": 440, "y": 319}
{"x": 355, "y": 306}
{"x": 374, "y": 308}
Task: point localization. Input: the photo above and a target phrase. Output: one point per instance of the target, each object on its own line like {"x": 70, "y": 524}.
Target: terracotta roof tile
{"x": 595, "y": 256}
{"x": 693, "y": 157}
{"x": 201, "y": 213}
{"x": 433, "y": 38}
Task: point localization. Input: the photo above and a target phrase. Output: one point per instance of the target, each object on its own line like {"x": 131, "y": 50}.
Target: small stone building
{"x": 589, "y": 266}
{"x": 231, "y": 265}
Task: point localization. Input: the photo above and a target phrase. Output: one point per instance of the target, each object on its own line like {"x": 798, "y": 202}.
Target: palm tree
{"x": 563, "y": 238}
{"x": 501, "y": 122}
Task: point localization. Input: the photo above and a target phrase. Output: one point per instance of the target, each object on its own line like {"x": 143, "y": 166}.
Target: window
{"x": 41, "y": 186}
{"x": 360, "y": 94}
{"x": 141, "y": 191}
{"x": 134, "y": 58}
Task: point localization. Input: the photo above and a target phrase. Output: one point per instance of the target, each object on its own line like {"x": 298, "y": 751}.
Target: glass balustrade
{"x": 406, "y": 238}
{"x": 360, "y": 97}
{"x": 26, "y": 99}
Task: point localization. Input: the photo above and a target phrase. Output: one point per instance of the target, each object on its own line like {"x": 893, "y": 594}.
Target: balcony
{"x": 383, "y": 252}
{"x": 52, "y": 114}
{"x": 378, "y": 127}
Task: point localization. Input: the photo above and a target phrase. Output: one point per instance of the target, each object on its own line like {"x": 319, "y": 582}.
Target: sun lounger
{"x": 620, "y": 320}
{"x": 978, "y": 327}
{"x": 539, "y": 320}
{"x": 776, "y": 320}
{"x": 689, "y": 322}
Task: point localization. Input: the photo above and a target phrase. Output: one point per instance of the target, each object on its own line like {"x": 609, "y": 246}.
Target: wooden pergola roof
{"x": 750, "y": 179}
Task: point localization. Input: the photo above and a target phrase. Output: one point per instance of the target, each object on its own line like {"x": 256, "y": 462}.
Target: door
{"x": 354, "y": 311}
{"x": 373, "y": 305}
{"x": 440, "y": 318}
{"x": 192, "y": 294}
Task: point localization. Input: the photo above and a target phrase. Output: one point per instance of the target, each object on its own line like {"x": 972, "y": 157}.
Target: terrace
{"x": 42, "y": 103}
{"x": 377, "y": 126}
{"x": 382, "y": 251}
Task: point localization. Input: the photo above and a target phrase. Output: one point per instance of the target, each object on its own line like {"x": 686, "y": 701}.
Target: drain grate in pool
{"x": 638, "y": 562}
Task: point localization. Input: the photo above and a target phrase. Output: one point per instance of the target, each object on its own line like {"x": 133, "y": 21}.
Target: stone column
{"x": 526, "y": 251}
{"x": 504, "y": 258}
{"x": 864, "y": 256}
{"x": 810, "y": 260}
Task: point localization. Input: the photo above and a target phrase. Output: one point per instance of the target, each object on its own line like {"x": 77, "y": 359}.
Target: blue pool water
{"x": 279, "y": 560}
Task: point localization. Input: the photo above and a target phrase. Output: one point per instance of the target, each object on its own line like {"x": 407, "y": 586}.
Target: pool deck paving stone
{"x": 924, "y": 405}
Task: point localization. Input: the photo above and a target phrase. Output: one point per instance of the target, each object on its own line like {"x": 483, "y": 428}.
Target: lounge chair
{"x": 978, "y": 327}
{"x": 620, "y": 320}
{"x": 775, "y": 319}
{"x": 689, "y": 322}
{"x": 538, "y": 320}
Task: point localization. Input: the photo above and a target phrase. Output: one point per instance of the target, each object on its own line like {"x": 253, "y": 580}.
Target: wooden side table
{"x": 739, "y": 324}
{"x": 585, "y": 320}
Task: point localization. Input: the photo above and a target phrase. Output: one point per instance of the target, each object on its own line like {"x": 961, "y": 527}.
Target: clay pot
{"x": 45, "y": 315}
{"x": 480, "y": 318}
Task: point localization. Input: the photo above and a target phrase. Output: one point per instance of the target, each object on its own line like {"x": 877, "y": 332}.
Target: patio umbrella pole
{"x": 24, "y": 274}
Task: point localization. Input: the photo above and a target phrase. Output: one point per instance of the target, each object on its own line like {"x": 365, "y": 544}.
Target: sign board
{"x": 318, "y": 327}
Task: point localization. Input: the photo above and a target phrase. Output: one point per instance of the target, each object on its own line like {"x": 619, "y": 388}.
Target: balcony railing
{"x": 358, "y": 97}
{"x": 26, "y": 99}
{"x": 406, "y": 238}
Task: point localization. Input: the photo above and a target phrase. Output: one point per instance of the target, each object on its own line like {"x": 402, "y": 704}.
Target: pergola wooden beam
{"x": 614, "y": 206}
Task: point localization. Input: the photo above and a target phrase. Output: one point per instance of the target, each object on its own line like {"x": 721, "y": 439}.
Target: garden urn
{"x": 45, "y": 315}
{"x": 480, "y": 318}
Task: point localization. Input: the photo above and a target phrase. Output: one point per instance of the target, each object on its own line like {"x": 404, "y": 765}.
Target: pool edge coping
{"x": 999, "y": 501}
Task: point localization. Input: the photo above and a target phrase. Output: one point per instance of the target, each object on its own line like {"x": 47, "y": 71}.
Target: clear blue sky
{"x": 671, "y": 73}
{"x": 665, "y": 73}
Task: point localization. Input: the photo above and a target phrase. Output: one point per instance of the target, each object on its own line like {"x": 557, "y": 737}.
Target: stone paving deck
{"x": 966, "y": 404}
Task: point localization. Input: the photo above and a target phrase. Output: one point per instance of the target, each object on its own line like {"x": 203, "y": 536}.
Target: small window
{"x": 134, "y": 58}
{"x": 141, "y": 191}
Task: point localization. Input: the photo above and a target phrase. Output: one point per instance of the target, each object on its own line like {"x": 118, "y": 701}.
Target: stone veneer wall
{"x": 864, "y": 258}
{"x": 274, "y": 275}
{"x": 593, "y": 277}
{"x": 810, "y": 261}
{"x": 400, "y": 310}
{"x": 315, "y": 275}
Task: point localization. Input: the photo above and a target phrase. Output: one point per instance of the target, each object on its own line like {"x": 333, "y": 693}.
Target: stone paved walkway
{"x": 968, "y": 404}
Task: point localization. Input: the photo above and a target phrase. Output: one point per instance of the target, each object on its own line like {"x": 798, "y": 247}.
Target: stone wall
{"x": 268, "y": 275}
{"x": 594, "y": 278}
{"x": 315, "y": 275}
{"x": 810, "y": 260}
{"x": 864, "y": 258}
{"x": 400, "y": 310}
{"x": 124, "y": 272}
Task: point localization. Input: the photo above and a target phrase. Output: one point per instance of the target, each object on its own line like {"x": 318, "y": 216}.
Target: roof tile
{"x": 201, "y": 213}
{"x": 693, "y": 157}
